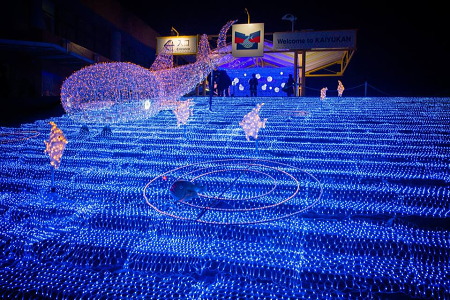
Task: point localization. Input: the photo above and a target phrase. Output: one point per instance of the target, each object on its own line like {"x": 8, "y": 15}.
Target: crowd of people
{"x": 222, "y": 83}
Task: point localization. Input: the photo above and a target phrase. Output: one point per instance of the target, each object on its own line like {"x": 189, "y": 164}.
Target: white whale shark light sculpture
{"x": 117, "y": 92}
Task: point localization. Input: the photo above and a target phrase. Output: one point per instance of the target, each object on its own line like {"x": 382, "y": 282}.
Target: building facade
{"x": 42, "y": 42}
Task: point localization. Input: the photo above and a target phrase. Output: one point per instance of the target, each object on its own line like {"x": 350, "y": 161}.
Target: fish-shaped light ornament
{"x": 183, "y": 111}
{"x": 117, "y": 92}
{"x": 251, "y": 123}
{"x": 55, "y": 145}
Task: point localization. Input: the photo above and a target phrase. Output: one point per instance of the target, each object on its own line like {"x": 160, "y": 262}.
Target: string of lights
{"x": 119, "y": 92}
{"x": 366, "y": 182}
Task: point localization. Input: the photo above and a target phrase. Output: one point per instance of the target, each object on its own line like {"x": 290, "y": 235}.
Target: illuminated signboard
{"x": 314, "y": 39}
{"x": 180, "y": 45}
{"x": 248, "y": 40}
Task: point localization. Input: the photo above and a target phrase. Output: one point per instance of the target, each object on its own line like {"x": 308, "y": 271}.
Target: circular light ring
{"x": 217, "y": 171}
{"x": 240, "y": 199}
{"x": 245, "y": 161}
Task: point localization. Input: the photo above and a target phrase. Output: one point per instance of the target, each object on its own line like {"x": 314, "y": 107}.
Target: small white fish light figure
{"x": 183, "y": 111}
{"x": 55, "y": 145}
{"x": 184, "y": 190}
{"x": 251, "y": 123}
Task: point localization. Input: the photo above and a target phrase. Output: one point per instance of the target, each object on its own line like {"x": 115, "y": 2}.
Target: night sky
{"x": 402, "y": 50}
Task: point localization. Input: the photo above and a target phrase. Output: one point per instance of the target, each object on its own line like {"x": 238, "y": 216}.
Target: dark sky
{"x": 402, "y": 49}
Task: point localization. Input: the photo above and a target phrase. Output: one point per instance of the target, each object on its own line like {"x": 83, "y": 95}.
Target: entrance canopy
{"x": 318, "y": 62}
{"x": 308, "y": 53}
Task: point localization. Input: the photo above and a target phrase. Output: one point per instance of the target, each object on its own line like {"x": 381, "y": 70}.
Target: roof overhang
{"x": 318, "y": 62}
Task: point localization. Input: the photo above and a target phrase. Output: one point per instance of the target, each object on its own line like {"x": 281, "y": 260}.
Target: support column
{"x": 299, "y": 72}
{"x": 296, "y": 73}
{"x": 303, "y": 74}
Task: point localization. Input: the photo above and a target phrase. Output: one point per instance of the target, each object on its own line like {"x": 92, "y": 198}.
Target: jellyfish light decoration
{"x": 54, "y": 147}
{"x": 117, "y": 92}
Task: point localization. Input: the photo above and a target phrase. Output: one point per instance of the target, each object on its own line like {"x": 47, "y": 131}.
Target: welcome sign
{"x": 314, "y": 39}
{"x": 248, "y": 40}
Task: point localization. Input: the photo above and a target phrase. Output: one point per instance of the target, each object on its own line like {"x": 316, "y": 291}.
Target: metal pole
{"x": 296, "y": 73}
{"x": 211, "y": 90}
{"x": 52, "y": 188}
{"x": 303, "y": 86}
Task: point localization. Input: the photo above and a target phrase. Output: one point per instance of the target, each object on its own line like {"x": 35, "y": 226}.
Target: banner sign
{"x": 180, "y": 45}
{"x": 314, "y": 39}
{"x": 248, "y": 40}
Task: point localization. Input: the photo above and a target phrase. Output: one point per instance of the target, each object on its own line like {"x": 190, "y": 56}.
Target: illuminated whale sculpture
{"x": 117, "y": 92}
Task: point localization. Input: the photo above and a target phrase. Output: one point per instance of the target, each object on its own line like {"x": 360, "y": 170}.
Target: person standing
{"x": 253, "y": 83}
{"x": 289, "y": 86}
{"x": 340, "y": 88}
{"x": 223, "y": 84}
{"x": 323, "y": 93}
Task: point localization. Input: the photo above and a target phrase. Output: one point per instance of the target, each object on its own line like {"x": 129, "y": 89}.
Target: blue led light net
{"x": 342, "y": 198}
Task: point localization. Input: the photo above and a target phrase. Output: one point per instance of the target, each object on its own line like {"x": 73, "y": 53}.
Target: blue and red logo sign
{"x": 244, "y": 41}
